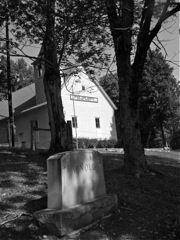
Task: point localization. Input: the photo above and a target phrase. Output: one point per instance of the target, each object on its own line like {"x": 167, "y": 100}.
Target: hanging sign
{"x": 83, "y": 98}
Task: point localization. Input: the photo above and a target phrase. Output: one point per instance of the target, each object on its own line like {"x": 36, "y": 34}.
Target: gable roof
{"x": 19, "y": 97}
{"x": 24, "y": 100}
{"x": 68, "y": 72}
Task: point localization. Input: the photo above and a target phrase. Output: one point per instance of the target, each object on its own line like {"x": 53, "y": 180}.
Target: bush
{"x": 175, "y": 141}
{"x": 94, "y": 143}
{"x": 106, "y": 144}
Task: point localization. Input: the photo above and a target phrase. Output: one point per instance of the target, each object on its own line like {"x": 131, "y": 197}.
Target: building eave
{"x": 105, "y": 95}
{"x": 34, "y": 107}
{"x": 101, "y": 90}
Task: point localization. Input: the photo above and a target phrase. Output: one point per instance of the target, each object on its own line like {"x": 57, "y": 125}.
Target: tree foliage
{"x": 81, "y": 29}
{"x": 121, "y": 15}
{"x": 21, "y": 75}
{"x": 74, "y": 39}
{"x": 109, "y": 83}
{"x": 80, "y": 34}
{"x": 159, "y": 99}
{"x": 22, "y": 72}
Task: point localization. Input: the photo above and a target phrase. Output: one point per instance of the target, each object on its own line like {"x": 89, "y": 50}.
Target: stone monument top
{"x": 76, "y": 192}
{"x": 74, "y": 178}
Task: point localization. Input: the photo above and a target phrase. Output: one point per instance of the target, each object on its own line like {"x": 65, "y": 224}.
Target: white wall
{"x": 86, "y": 112}
{"x": 23, "y": 129}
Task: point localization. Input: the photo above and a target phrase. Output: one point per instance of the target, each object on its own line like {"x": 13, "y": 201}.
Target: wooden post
{"x": 11, "y": 114}
{"x": 31, "y": 134}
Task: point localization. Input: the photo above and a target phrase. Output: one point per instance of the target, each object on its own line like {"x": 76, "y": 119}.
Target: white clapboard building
{"x": 85, "y": 103}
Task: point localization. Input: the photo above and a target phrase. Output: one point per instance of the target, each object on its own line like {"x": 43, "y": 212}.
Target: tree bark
{"x": 148, "y": 138}
{"x": 121, "y": 18}
{"x": 164, "y": 142}
{"x": 134, "y": 157}
{"x": 120, "y": 24}
{"x": 52, "y": 85}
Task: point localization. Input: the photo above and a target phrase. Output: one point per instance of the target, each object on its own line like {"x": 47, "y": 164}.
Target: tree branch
{"x": 172, "y": 62}
{"x": 20, "y": 55}
{"x": 162, "y": 46}
{"x": 112, "y": 14}
{"x": 144, "y": 46}
{"x": 156, "y": 45}
{"x": 145, "y": 25}
{"x": 164, "y": 16}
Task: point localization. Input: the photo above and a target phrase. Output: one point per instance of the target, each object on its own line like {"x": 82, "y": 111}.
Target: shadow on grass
{"x": 22, "y": 179}
{"x": 147, "y": 207}
{"x": 24, "y": 228}
{"x": 6, "y": 206}
{"x": 158, "y": 160}
{"x": 7, "y": 183}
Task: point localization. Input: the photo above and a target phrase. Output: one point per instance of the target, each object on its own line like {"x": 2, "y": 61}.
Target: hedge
{"x": 95, "y": 143}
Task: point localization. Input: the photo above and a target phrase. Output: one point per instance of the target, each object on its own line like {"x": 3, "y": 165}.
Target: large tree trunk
{"x": 52, "y": 85}
{"x": 120, "y": 24}
{"x": 121, "y": 18}
{"x": 148, "y": 138}
{"x": 134, "y": 157}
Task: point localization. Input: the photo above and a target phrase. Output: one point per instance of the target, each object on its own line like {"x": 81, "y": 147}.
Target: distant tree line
{"x": 159, "y": 97}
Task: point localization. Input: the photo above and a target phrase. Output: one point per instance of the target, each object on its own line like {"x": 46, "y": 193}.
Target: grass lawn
{"x": 148, "y": 208}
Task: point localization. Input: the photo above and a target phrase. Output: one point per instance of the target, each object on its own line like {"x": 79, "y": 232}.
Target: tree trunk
{"x": 134, "y": 157}
{"x": 148, "y": 138}
{"x": 164, "y": 142}
{"x": 120, "y": 24}
{"x": 121, "y": 18}
{"x": 52, "y": 85}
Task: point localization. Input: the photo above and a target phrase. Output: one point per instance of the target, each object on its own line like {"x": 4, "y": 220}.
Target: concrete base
{"x": 62, "y": 222}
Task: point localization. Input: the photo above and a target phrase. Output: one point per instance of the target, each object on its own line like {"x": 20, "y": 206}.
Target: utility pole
{"x": 9, "y": 83}
{"x": 75, "y": 117}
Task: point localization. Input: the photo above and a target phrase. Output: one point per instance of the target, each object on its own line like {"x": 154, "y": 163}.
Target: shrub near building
{"x": 95, "y": 143}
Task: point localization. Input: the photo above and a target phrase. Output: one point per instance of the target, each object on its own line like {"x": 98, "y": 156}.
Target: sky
{"x": 170, "y": 38}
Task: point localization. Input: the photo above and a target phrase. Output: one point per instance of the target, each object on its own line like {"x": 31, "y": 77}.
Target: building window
{"x": 97, "y": 121}
{"x": 34, "y": 125}
{"x": 74, "y": 122}
{"x": 83, "y": 87}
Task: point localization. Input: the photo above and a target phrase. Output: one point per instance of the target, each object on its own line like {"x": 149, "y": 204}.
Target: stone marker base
{"x": 62, "y": 222}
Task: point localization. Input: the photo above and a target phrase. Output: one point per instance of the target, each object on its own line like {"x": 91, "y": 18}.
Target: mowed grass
{"x": 148, "y": 208}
